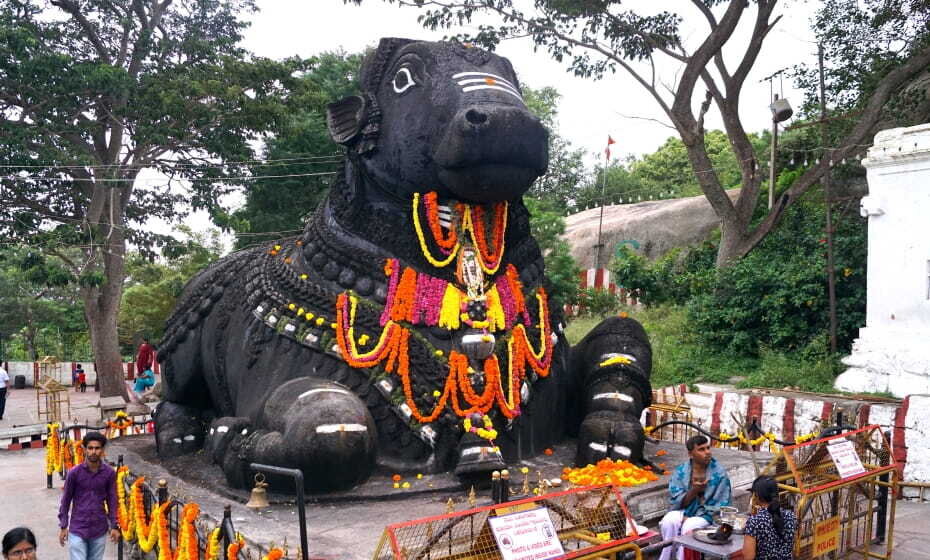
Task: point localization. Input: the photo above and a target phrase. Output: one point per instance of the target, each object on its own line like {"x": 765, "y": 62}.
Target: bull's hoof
{"x": 222, "y": 433}
{"x": 477, "y": 459}
{"x": 178, "y": 429}
{"x": 314, "y": 425}
{"x": 610, "y": 435}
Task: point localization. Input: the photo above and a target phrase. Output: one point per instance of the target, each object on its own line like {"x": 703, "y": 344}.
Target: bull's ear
{"x": 345, "y": 119}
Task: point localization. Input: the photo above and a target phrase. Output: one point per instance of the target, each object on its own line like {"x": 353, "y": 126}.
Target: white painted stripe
{"x": 598, "y": 447}
{"x": 499, "y": 88}
{"x": 622, "y": 450}
{"x": 222, "y": 429}
{"x": 311, "y": 392}
{"x": 333, "y": 428}
{"x": 485, "y": 81}
{"x": 189, "y": 437}
{"x": 477, "y": 450}
{"x": 617, "y": 396}
{"x": 589, "y": 280}
{"x": 495, "y": 76}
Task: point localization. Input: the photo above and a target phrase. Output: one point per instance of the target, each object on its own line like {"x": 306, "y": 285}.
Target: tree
{"x": 302, "y": 152}
{"x": 548, "y": 225}
{"x": 92, "y": 93}
{"x": 566, "y": 172}
{"x": 37, "y": 294}
{"x": 153, "y": 287}
{"x": 594, "y": 37}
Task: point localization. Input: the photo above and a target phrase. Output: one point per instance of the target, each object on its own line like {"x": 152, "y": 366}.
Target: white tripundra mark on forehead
{"x": 473, "y": 81}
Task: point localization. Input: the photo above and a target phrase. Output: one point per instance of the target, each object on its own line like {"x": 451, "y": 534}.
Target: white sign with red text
{"x": 526, "y": 535}
{"x": 845, "y": 458}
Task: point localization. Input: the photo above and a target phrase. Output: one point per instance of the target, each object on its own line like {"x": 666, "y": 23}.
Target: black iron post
{"x": 298, "y": 477}
{"x": 884, "y": 458}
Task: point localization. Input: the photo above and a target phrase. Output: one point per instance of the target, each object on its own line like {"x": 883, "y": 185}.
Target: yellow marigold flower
{"x": 524, "y": 470}
{"x": 291, "y": 306}
{"x": 363, "y": 340}
{"x": 396, "y": 485}
{"x": 309, "y": 315}
{"x": 419, "y": 476}
{"x": 300, "y": 311}
{"x": 437, "y": 394}
{"x": 405, "y": 485}
{"x": 438, "y": 353}
{"x": 333, "y": 326}
{"x": 320, "y": 321}
{"x": 277, "y": 247}
{"x": 303, "y": 276}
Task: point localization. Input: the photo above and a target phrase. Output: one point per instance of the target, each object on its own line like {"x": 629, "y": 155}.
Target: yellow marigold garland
{"x": 213, "y": 545}
{"x": 188, "y": 545}
{"x": 605, "y": 471}
{"x": 52, "y": 448}
{"x": 123, "y": 508}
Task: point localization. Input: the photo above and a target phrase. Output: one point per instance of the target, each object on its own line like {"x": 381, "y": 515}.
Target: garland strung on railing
{"x": 468, "y": 219}
{"x": 52, "y": 448}
{"x": 120, "y": 423}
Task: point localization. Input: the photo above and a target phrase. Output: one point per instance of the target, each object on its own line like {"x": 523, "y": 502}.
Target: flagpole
{"x": 600, "y": 223}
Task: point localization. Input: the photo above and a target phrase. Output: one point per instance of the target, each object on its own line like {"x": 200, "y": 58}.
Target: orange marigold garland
{"x": 78, "y": 448}
{"x": 489, "y": 257}
{"x": 445, "y": 240}
{"x": 605, "y": 471}
{"x": 123, "y": 507}
{"x": 232, "y": 551}
{"x": 274, "y": 554}
{"x": 188, "y": 545}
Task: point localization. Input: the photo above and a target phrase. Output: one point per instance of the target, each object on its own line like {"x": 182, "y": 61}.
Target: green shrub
{"x": 673, "y": 278}
{"x": 597, "y": 302}
{"x": 776, "y": 296}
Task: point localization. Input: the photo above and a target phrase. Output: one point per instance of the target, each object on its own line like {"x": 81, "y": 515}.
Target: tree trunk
{"x": 101, "y": 308}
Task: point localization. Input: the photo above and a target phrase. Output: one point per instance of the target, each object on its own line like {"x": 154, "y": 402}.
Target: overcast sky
{"x": 589, "y": 110}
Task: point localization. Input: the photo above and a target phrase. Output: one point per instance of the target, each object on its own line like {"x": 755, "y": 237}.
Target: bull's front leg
{"x": 614, "y": 362}
{"x": 311, "y": 424}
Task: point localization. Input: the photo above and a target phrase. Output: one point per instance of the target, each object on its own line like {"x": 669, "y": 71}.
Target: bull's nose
{"x": 476, "y": 117}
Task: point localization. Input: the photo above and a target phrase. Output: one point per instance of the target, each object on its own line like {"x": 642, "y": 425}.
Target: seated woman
{"x": 769, "y": 534}
{"x": 19, "y": 544}
{"x": 145, "y": 380}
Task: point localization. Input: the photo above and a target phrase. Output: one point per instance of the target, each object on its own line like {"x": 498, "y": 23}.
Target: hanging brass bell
{"x": 259, "y": 497}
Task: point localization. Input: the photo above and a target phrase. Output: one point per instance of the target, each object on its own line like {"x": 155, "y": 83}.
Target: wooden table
{"x": 731, "y": 550}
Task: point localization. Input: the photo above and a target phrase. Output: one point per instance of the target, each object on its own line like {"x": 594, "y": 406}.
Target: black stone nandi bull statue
{"x": 408, "y": 326}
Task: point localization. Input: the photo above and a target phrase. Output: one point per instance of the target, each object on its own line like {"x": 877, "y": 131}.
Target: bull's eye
{"x": 403, "y": 80}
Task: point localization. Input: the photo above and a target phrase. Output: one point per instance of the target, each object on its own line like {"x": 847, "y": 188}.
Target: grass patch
{"x": 678, "y": 357}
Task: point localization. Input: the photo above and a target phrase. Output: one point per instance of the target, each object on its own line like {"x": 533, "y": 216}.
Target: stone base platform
{"x": 348, "y": 525}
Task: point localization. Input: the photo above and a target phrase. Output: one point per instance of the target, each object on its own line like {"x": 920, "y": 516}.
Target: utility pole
{"x": 772, "y": 159}
{"x": 600, "y": 223}
{"x": 828, "y": 198}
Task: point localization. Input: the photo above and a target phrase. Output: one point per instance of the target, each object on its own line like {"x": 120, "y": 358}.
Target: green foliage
{"x": 679, "y": 356}
{"x": 776, "y": 297}
{"x": 547, "y": 225}
{"x": 153, "y": 287}
{"x": 673, "y": 278}
{"x": 39, "y": 312}
{"x": 276, "y": 206}
{"x": 597, "y": 303}
{"x": 666, "y": 173}
{"x": 559, "y": 186}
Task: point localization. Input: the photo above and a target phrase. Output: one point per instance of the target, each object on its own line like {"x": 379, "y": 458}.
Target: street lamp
{"x": 781, "y": 111}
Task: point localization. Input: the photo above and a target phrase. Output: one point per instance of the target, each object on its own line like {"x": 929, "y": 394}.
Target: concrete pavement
{"x": 26, "y": 501}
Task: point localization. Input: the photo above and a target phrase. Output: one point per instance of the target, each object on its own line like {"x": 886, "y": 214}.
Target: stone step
{"x": 714, "y": 387}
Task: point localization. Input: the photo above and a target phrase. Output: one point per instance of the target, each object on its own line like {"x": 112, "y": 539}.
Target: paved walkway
{"x": 26, "y": 501}
{"x": 22, "y": 408}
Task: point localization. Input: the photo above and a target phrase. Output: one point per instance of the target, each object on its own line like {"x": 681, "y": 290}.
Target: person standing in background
{"x": 145, "y": 356}
{"x": 4, "y": 384}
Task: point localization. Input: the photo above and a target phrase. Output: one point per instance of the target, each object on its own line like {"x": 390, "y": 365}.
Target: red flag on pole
{"x": 609, "y": 142}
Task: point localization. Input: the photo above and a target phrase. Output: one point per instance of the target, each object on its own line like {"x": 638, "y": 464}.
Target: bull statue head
{"x": 443, "y": 117}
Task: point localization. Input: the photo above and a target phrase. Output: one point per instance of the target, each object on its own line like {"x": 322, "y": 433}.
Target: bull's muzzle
{"x": 492, "y": 152}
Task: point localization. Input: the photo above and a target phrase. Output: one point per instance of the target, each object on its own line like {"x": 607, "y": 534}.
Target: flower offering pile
{"x": 605, "y": 471}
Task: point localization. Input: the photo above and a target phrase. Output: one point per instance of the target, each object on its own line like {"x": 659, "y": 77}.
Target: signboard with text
{"x": 826, "y": 536}
{"x": 845, "y": 458}
{"x": 526, "y": 535}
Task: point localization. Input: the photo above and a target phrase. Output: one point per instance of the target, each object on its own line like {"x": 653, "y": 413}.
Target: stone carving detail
{"x": 412, "y": 306}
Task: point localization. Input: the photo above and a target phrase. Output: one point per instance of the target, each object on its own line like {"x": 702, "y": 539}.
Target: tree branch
{"x": 75, "y": 11}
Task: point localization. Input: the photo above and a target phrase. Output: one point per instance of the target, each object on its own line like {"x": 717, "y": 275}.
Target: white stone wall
{"x": 891, "y": 353}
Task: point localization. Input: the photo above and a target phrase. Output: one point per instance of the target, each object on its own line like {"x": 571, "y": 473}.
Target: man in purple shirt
{"x": 87, "y": 487}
